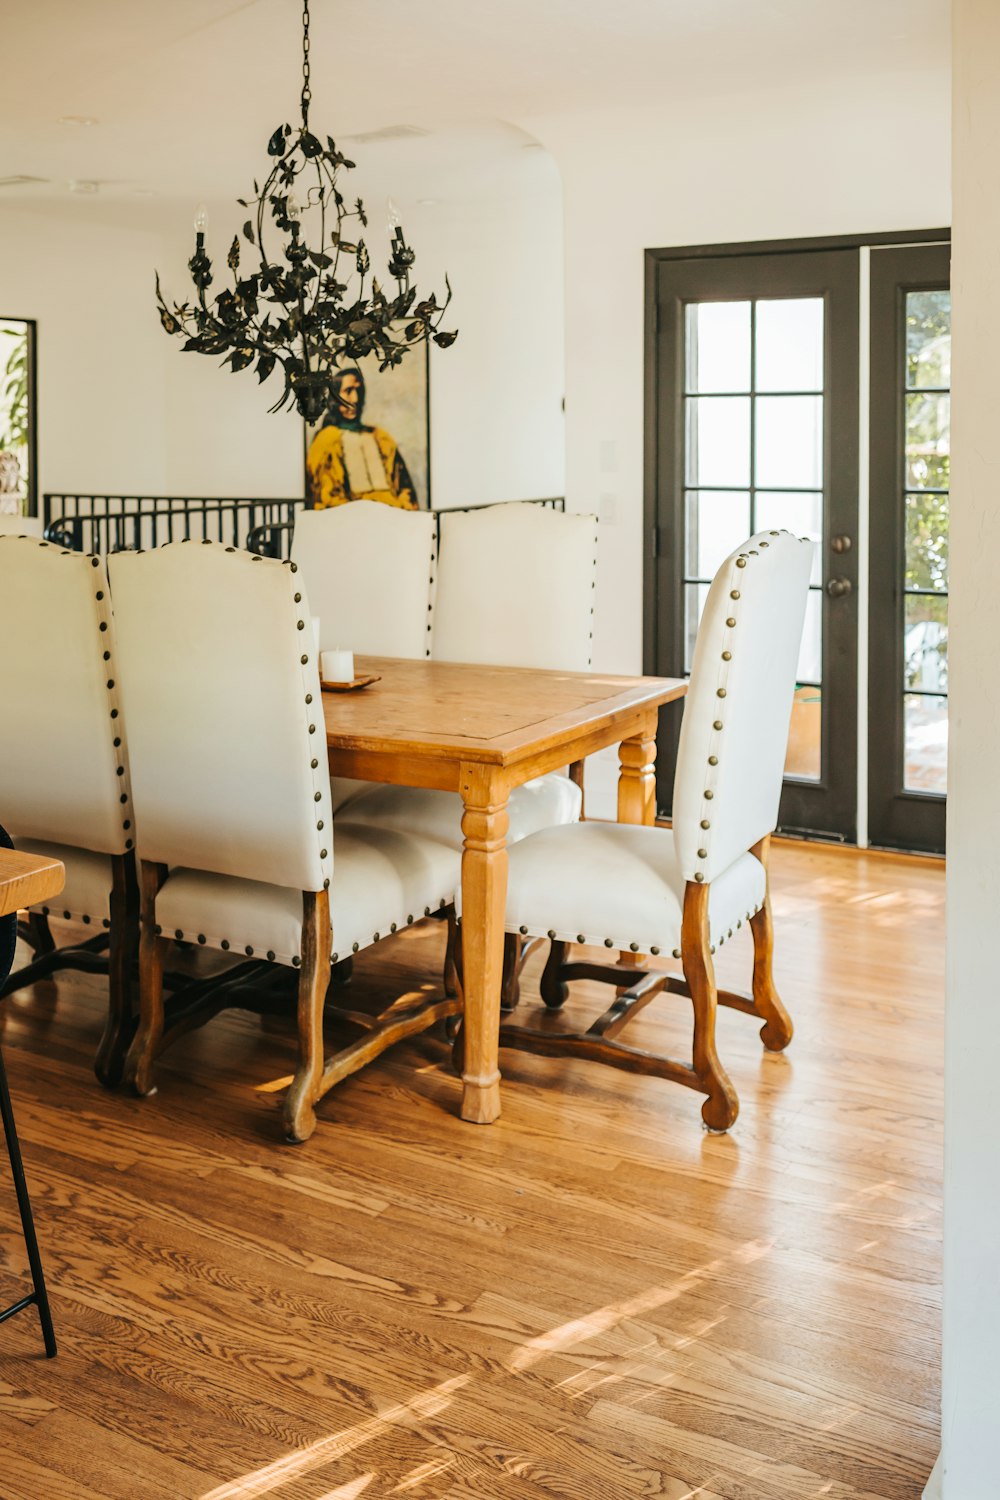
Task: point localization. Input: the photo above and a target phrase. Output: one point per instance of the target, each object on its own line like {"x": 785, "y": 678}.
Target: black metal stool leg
{"x": 39, "y": 1296}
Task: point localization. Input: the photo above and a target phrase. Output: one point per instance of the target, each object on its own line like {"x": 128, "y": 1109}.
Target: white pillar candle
{"x": 315, "y": 620}
{"x": 337, "y": 666}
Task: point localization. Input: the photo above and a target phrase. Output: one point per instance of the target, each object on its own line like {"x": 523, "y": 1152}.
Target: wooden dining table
{"x": 481, "y": 731}
{"x": 25, "y": 880}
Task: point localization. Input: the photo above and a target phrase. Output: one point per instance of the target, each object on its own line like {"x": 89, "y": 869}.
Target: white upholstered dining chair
{"x": 368, "y": 571}
{"x": 515, "y": 587}
{"x": 236, "y": 839}
{"x": 686, "y": 890}
{"x": 64, "y": 775}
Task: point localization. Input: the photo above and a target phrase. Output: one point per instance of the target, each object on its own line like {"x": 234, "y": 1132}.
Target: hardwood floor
{"x": 591, "y": 1300}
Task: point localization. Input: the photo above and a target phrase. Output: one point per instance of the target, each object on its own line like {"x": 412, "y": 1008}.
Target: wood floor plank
{"x": 591, "y": 1300}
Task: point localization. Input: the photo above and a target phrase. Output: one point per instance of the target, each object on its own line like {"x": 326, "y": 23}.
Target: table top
{"x": 494, "y": 715}
{"x": 26, "y": 879}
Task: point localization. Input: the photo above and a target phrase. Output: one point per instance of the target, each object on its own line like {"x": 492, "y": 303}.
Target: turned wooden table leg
{"x": 637, "y": 775}
{"x": 484, "y": 896}
{"x": 637, "y": 793}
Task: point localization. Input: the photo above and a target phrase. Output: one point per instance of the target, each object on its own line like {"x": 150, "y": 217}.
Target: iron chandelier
{"x": 310, "y": 310}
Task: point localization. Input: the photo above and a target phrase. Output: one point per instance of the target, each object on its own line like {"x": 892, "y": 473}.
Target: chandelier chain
{"x": 306, "y": 89}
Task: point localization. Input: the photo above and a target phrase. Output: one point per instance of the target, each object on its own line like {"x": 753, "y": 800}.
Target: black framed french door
{"x": 908, "y": 573}
{"x": 752, "y": 396}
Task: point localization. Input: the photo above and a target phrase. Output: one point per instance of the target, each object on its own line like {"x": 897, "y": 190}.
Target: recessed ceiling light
{"x": 142, "y": 193}
{"x": 427, "y": 202}
{"x": 83, "y": 185}
{"x": 79, "y": 120}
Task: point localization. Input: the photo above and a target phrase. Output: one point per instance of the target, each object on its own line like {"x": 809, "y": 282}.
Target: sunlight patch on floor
{"x": 557, "y": 1340}
{"x": 304, "y": 1460}
{"x": 350, "y": 1490}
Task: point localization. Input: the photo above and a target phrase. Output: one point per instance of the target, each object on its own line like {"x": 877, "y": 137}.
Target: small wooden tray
{"x": 348, "y": 687}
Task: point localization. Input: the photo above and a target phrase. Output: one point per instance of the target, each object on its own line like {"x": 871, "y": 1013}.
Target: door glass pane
{"x": 927, "y": 542}
{"x": 717, "y": 521}
{"x": 718, "y": 441}
{"x": 928, "y": 441}
{"x": 928, "y": 339}
{"x": 804, "y": 755}
{"x": 789, "y": 442}
{"x": 926, "y": 744}
{"x": 797, "y": 511}
{"x": 925, "y": 643}
{"x": 718, "y": 347}
{"x": 789, "y": 345}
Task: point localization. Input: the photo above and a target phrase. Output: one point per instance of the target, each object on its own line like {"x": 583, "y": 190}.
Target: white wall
{"x": 971, "y": 1399}
{"x": 833, "y": 159}
{"x": 100, "y": 371}
{"x": 123, "y": 410}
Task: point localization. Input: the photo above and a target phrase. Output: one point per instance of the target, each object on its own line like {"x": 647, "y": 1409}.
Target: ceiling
{"x": 186, "y": 92}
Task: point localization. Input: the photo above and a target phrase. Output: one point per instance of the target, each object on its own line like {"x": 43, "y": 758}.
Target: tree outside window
{"x": 15, "y": 415}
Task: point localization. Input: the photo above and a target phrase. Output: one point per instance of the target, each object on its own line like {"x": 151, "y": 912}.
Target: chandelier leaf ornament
{"x": 311, "y": 311}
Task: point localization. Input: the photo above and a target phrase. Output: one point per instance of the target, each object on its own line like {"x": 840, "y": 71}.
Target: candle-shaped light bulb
{"x": 200, "y": 219}
{"x": 393, "y": 221}
{"x": 293, "y": 208}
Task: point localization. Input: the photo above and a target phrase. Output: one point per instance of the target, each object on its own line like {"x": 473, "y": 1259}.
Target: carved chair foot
{"x": 109, "y": 1065}
{"x": 139, "y": 1072}
{"x": 722, "y": 1106}
{"x": 298, "y": 1114}
{"x": 778, "y": 1031}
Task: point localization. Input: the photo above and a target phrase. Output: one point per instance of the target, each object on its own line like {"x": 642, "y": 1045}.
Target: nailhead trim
{"x": 721, "y": 691}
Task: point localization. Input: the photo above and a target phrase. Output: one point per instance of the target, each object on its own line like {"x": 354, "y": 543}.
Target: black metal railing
{"x": 118, "y": 523}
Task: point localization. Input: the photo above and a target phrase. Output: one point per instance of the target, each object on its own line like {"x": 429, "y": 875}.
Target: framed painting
{"x": 374, "y": 441}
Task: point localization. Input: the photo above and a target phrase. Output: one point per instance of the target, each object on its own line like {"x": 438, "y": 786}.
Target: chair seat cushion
{"x": 619, "y": 884}
{"x": 86, "y": 896}
{"x": 542, "y": 803}
{"x": 344, "y": 789}
{"x": 381, "y": 880}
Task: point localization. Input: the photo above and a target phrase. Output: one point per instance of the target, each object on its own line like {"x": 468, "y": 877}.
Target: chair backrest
{"x": 220, "y": 685}
{"x": 64, "y": 773}
{"x": 738, "y": 706}
{"x": 516, "y": 588}
{"x": 20, "y": 525}
{"x": 369, "y": 572}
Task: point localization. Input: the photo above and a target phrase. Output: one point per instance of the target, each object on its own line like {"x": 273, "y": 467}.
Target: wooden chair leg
{"x": 152, "y": 954}
{"x": 778, "y": 1030}
{"x": 124, "y": 916}
{"x": 551, "y": 987}
{"x": 314, "y": 979}
{"x": 722, "y": 1105}
{"x": 36, "y": 933}
{"x": 576, "y": 776}
{"x": 510, "y": 982}
{"x": 452, "y": 983}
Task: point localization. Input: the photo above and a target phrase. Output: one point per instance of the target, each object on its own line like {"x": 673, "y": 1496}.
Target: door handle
{"x": 839, "y": 588}
{"x": 841, "y": 544}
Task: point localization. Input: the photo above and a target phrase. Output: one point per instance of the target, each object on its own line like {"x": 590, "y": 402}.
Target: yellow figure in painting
{"x": 348, "y": 460}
